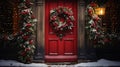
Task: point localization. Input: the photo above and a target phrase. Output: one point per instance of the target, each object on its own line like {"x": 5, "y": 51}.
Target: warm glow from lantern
{"x": 100, "y": 11}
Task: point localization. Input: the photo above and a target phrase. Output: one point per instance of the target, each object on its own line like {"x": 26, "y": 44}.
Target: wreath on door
{"x": 61, "y": 20}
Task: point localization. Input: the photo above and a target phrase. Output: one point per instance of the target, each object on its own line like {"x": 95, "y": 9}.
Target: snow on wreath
{"x": 61, "y": 20}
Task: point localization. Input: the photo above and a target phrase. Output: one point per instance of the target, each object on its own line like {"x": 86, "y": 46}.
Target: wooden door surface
{"x": 56, "y": 49}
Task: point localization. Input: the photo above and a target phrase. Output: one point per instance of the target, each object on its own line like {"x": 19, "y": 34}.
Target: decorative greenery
{"x": 94, "y": 30}
{"x": 24, "y": 37}
{"x": 61, "y": 20}
{"x": 93, "y": 26}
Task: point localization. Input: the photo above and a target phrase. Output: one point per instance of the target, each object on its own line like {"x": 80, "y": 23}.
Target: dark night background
{"x": 111, "y": 24}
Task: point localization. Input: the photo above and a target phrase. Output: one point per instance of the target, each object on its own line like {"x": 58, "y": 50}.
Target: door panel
{"x": 57, "y": 50}
{"x": 68, "y": 47}
{"x": 53, "y": 47}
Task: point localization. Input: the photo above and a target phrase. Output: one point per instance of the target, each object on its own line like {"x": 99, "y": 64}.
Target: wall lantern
{"x": 100, "y": 11}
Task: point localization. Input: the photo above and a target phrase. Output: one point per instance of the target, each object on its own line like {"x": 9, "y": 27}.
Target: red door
{"x": 57, "y": 50}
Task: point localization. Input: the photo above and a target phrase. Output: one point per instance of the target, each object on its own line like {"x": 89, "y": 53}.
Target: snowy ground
{"x": 101, "y": 62}
{"x": 18, "y": 64}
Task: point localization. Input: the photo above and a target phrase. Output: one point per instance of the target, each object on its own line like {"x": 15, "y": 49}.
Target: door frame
{"x": 39, "y": 10}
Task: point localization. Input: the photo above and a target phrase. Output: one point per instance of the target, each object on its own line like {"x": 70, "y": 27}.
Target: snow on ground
{"x": 16, "y": 63}
{"x": 101, "y": 62}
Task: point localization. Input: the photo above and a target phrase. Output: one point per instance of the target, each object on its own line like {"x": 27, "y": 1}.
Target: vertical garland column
{"x": 81, "y": 31}
{"x": 39, "y": 53}
{"x": 24, "y": 37}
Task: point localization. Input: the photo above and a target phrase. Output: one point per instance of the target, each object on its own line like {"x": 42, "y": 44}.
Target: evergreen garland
{"x": 96, "y": 34}
{"x": 93, "y": 26}
{"x": 24, "y": 38}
